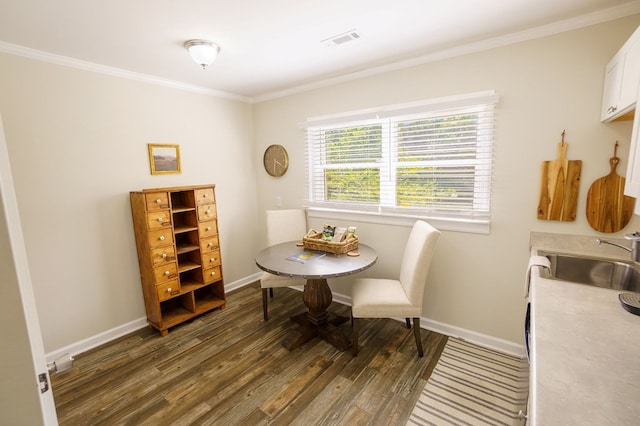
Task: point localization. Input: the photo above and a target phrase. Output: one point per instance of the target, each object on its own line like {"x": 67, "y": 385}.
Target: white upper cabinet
{"x": 631, "y": 73}
{"x": 632, "y": 181}
{"x": 629, "y": 93}
{"x": 612, "y": 86}
{"x": 622, "y": 78}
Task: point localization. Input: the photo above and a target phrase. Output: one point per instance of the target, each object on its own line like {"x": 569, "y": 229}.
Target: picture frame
{"x": 164, "y": 158}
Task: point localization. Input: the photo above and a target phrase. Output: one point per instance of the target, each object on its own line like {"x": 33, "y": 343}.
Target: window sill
{"x": 474, "y": 226}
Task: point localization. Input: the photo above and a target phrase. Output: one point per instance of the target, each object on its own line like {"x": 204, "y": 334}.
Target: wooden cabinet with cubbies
{"x": 176, "y": 231}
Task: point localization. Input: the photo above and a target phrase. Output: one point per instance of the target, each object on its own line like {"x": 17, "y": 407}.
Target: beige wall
{"x": 546, "y": 86}
{"x": 77, "y": 144}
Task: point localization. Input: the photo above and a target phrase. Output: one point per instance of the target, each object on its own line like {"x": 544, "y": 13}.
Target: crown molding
{"x": 594, "y": 18}
{"x": 38, "y": 55}
{"x": 570, "y": 24}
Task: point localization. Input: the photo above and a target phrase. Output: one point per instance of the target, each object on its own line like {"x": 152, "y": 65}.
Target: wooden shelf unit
{"x": 176, "y": 231}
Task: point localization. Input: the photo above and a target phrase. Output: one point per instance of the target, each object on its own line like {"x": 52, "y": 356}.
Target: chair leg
{"x": 408, "y": 323}
{"x": 354, "y": 337}
{"x": 264, "y": 304}
{"x": 271, "y": 292}
{"x": 416, "y": 332}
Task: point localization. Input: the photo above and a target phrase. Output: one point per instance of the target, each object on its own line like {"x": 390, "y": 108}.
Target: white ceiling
{"x": 272, "y": 47}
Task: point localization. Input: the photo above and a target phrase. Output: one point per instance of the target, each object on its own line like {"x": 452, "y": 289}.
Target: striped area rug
{"x": 472, "y": 385}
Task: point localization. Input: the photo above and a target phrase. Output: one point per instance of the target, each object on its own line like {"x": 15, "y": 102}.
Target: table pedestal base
{"x": 315, "y": 323}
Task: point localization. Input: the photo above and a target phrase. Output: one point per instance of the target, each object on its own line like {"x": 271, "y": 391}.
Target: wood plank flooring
{"x": 228, "y": 367}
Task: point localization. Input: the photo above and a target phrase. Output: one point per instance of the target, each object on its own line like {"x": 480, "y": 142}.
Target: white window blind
{"x": 431, "y": 161}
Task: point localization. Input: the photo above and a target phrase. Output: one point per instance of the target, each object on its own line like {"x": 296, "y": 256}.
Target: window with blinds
{"x": 429, "y": 161}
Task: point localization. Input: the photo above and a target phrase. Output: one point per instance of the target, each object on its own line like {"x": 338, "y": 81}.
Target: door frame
{"x": 16, "y": 240}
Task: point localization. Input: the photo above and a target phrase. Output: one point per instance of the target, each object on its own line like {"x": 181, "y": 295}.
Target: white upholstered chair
{"x": 389, "y": 298}
{"x": 282, "y": 226}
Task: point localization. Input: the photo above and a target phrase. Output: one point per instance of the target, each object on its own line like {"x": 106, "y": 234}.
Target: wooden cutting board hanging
{"x": 608, "y": 209}
{"x": 559, "y": 186}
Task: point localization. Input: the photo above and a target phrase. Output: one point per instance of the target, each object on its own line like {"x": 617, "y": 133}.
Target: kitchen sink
{"x": 599, "y": 272}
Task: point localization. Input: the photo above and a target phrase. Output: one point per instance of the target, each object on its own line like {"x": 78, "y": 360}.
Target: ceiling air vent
{"x": 342, "y": 38}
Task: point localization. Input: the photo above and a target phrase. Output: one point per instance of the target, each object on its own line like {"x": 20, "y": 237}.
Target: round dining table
{"x": 285, "y": 259}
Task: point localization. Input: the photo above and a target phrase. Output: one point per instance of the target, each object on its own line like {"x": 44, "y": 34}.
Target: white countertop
{"x": 585, "y": 355}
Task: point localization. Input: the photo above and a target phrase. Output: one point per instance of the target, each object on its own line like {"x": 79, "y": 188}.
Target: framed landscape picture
{"x": 164, "y": 158}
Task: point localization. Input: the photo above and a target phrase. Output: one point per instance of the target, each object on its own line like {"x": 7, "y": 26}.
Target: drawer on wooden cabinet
{"x": 212, "y": 275}
{"x": 204, "y": 196}
{"x": 165, "y": 272}
{"x": 208, "y": 245}
{"x": 158, "y": 220}
{"x": 207, "y": 229}
{"x": 162, "y": 255}
{"x": 211, "y": 259}
{"x": 162, "y": 237}
{"x": 167, "y": 290}
{"x": 157, "y": 200}
{"x": 207, "y": 212}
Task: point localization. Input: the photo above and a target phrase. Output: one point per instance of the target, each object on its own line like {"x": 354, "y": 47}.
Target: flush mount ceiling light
{"x": 203, "y": 52}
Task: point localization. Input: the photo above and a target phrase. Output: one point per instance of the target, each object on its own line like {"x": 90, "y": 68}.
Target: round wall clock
{"x": 276, "y": 160}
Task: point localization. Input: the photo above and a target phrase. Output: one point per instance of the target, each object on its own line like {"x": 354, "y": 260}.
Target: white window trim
{"x": 377, "y": 215}
{"x": 448, "y": 102}
{"x": 473, "y": 226}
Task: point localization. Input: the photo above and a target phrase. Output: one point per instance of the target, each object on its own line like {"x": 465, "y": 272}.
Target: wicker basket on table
{"x": 312, "y": 242}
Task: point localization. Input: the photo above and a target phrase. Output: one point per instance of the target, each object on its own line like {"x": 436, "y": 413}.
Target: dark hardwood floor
{"x": 228, "y": 367}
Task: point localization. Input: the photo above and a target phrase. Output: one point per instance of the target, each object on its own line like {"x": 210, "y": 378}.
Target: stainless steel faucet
{"x": 635, "y": 245}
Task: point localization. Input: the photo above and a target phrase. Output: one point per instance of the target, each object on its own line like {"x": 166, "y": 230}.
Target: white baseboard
{"x": 97, "y": 340}
{"x": 124, "y": 329}
{"x": 243, "y": 282}
{"x": 480, "y": 339}
{"x": 495, "y": 343}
